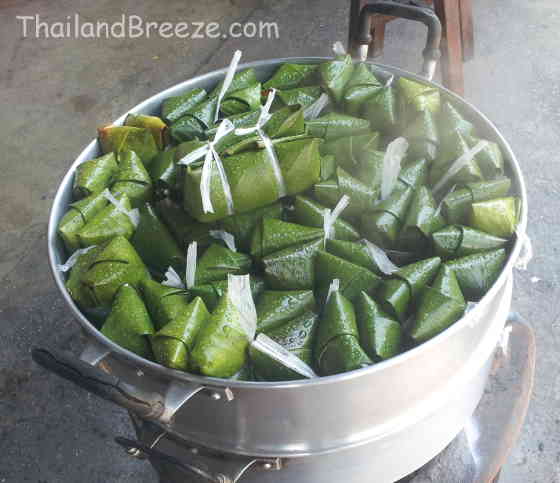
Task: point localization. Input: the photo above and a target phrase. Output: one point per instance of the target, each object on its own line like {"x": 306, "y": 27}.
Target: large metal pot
{"x": 396, "y": 414}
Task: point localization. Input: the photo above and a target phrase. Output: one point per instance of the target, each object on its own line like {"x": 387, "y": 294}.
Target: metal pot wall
{"x": 405, "y": 409}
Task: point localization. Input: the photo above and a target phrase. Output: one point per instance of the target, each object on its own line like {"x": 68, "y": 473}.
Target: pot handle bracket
{"x": 409, "y": 11}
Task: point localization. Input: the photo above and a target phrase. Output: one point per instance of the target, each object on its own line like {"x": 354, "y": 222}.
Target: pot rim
{"x": 155, "y": 368}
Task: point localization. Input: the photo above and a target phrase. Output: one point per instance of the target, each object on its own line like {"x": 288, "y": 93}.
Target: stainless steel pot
{"x": 396, "y": 414}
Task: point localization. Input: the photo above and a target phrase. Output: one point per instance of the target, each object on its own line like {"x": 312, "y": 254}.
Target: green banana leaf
{"x": 73, "y": 284}
{"x": 217, "y": 261}
{"x": 78, "y": 214}
{"x": 244, "y": 374}
{"x": 335, "y": 74}
{"x": 221, "y": 345}
{"x": 381, "y": 110}
{"x": 419, "y": 97}
{"x": 361, "y": 86}
{"x": 458, "y": 240}
{"x": 446, "y": 283}
{"x": 289, "y": 76}
{"x": 176, "y": 107}
{"x": 154, "y": 242}
{"x": 173, "y": 343}
{"x": 129, "y": 324}
{"x": 241, "y": 100}
{"x": 94, "y": 175}
{"x": 370, "y": 169}
{"x": 183, "y": 227}
{"x": 106, "y": 224}
{"x": 422, "y": 219}
{"x": 353, "y": 278}
{"x": 213, "y": 291}
{"x": 156, "y": 126}
{"x": 276, "y": 307}
{"x": 127, "y": 138}
{"x": 490, "y": 159}
{"x": 456, "y": 205}
{"x": 477, "y": 273}
{"x": 328, "y": 166}
{"x": 292, "y": 268}
{"x": 195, "y": 122}
{"x": 422, "y": 135}
{"x": 252, "y": 180}
{"x": 336, "y": 125}
{"x": 398, "y": 292}
{"x": 497, "y": 217}
{"x": 272, "y": 235}
{"x": 115, "y": 264}
{"x": 297, "y": 336}
{"x": 413, "y": 174}
{"x": 348, "y": 150}
{"x": 451, "y": 120}
{"x": 164, "y": 303}
{"x": 354, "y": 252}
{"x": 132, "y": 179}
{"x": 164, "y": 174}
{"x": 383, "y": 225}
{"x": 337, "y": 348}
{"x": 307, "y": 212}
{"x": 242, "y": 226}
{"x": 302, "y": 96}
{"x": 380, "y": 335}
{"x": 241, "y": 80}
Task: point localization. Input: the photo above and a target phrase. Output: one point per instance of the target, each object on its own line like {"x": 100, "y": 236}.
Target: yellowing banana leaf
{"x": 497, "y": 217}
{"x": 309, "y": 213}
{"x": 335, "y": 74}
{"x": 276, "y": 307}
{"x": 132, "y": 179}
{"x": 78, "y": 214}
{"x": 289, "y": 76}
{"x": 176, "y": 107}
{"x": 129, "y": 324}
{"x": 106, "y": 224}
{"x": 115, "y": 264}
{"x": 477, "y": 273}
{"x": 336, "y": 125}
{"x": 154, "y": 243}
{"x": 94, "y": 175}
{"x": 297, "y": 336}
{"x": 380, "y": 335}
{"x": 458, "y": 240}
{"x": 457, "y": 204}
{"x": 272, "y": 235}
{"x": 157, "y": 127}
{"x": 292, "y": 268}
{"x": 252, "y": 179}
{"x": 173, "y": 343}
{"x": 128, "y": 138}
{"x": 383, "y": 225}
{"x": 217, "y": 261}
{"x": 337, "y": 348}
{"x": 361, "y": 86}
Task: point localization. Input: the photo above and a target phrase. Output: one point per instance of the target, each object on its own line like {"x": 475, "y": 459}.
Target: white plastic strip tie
{"x": 380, "y": 258}
{"x": 133, "y": 215}
{"x": 172, "y": 279}
{"x": 459, "y": 163}
{"x": 330, "y": 216}
{"x": 190, "y": 269}
{"x": 226, "y": 237}
{"x": 271, "y": 348}
{"x": 526, "y": 252}
{"x": 314, "y": 110}
{"x": 333, "y": 287}
{"x": 227, "y": 81}
{"x": 338, "y": 48}
{"x": 264, "y": 117}
{"x": 73, "y": 259}
{"x": 395, "y": 153}
{"x": 239, "y": 292}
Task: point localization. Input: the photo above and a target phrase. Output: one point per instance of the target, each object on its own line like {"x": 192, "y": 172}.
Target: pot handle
{"x": 411, "y": 12}
{"x": 144, "y": 404}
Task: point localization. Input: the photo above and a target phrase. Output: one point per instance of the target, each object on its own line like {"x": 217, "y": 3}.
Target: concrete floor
{"x": 55, "y": 92}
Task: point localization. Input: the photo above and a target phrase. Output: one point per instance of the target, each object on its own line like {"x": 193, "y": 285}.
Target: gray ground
{"x": 55, "y": 92}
